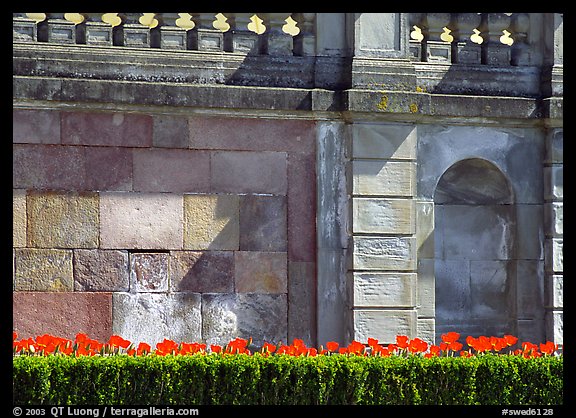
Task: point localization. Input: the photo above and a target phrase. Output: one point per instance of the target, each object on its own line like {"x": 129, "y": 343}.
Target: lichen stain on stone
{"x": 413, "y": 108}
{"x": 383, "y": 105}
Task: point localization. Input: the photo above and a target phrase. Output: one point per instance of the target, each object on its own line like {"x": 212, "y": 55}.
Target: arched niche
{"x": 474, "y": 247}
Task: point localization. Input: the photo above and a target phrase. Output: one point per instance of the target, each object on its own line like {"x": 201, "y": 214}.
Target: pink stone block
{"x": 261, "y": 272}
{"x": 112, "y": 129}
{"x": 171, "y": 170}
{"x": 207, "y": 132}
{"x": 63, "y": 314}
{"x": 130, "y": 220}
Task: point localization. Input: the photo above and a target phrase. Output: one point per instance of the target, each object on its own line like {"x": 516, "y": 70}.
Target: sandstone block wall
{"x": 153, "y": 225}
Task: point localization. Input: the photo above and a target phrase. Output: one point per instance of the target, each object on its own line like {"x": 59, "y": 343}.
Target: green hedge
{"x": 286, "y": 380}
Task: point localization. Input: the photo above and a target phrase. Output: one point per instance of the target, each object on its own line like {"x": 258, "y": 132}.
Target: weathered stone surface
{"x": 108, "y": 169}
{"x": 554, "y": 219}
{"x": 554, "y": 291}
{"x": 63, "y": 314}
{"x": 263, "y": 222}
{"x": 555, "y": 146}
{"x": 140, "y": 220}
{"x": 18, "y": 218}
{"x": 161, "y": 170}
{"x": 555, "y": 326}
{"x": 261, "y": 317}
{"x": 385, "y": 216}
{"x": 384, "y": 325}
{"x": 474, "y": 232}
{"x": 453, "y": 299}
{"x": 110, "y": 129}
{"x": 388, "y": 290}
{"x": 371, "y": 140}
{"x": 426, "y": 292}
{"x": 211, "y": 222}
{"x": 152, "y": 317}
{"x": 383, "y": 177}
{"x": 149, "y": 272}
{"x": 251, "y": 134}
{"x": 530, "y": 289}
{"x": 170, "y": 131}
{"x": 249, "y": 172}
{"x": 43, "y": 270}
{"x": 202, "y": 271}
{"x": 425, "y": 229}
{"x": 302, "y": 302}
{"x": 489, "y": 290}
{"x": 35, "y": 126}
{"x": 529, "y": 232}
{"x": 384, "y": 253}
{"x": 47, "y": 167}
{"x": 101, "y": 271}
{"x": 63, "y": 220}
{"x": 554, "y": 252}
{"x": 302, "y": 207}
{"x": 531, "y": 330}
{"x": 554, "y": 182}
{"x": 261, "y": 272}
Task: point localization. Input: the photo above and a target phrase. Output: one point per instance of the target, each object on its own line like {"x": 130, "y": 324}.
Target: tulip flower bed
{"x": 52, "y": 370}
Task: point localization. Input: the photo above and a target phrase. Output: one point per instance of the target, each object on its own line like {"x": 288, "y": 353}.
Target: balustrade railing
{"x": 247, "y": 33}
{"x": 496, "y": 39}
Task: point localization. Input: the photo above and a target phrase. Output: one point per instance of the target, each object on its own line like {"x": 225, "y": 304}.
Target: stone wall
{"x": 158, "y": 226}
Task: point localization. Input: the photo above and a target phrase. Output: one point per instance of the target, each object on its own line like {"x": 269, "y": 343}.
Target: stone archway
{"x": 474, "y": 241}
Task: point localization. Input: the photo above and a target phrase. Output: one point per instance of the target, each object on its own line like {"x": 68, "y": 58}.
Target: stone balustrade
{"x": 244, "y": 33}
{"x": 497, "y": 39}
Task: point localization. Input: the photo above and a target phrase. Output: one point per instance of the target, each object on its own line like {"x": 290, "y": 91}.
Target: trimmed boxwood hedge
{"x": 286, "y": 380}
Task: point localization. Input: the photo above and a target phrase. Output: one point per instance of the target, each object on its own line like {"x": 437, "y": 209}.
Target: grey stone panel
{"x": 152, "y": 317}
{"x": 474, "y": 232}
{"x": 426, "y": 292}
{"x": 490, "y": 293}
{"x": 530, "y": 289}
{"x": 262, "y": 317}
{"x": 202, "y": 271}
{"x": 453, "y": 298}
{"x": 263, "y": 223}
{"x": 302, "y": 302}
{"x": 529, "y": 231}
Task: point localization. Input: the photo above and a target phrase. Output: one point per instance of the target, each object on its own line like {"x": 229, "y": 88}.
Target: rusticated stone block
{"x": 63, "y": 220}
{"x": 302, "y": 302}
{"x": 19, "y": 218}
{"x": 257, "y": 134}
{"x": 554, "y": 291}
{"x": 302, "y": 207}
{"x": 43, "y": 270}
{"x": 384, "y": 325}
{"x": 47, "y": 167}
{"x": 152, "y": 317}
{"x": 554, "y": 326}
{"x": 554, "y": 219}
{"x": 101, "y": 271}
{"x": 261, "y": 317}
{"x": 35, "y": 126}
{"x": 211, "y": 222}
{"x": 149, "y": 272}
{"x": 383, "y": 177}
{"x": 249, "y": 172}
{"x": 140, "y": 220}
{"x": 261, "y": 272}
{"x": 64, "y": 314}
{"x": 385, "y": 216}
{"x": 370, "y": 140}
{"x": 385, "y": 290}
{"x": 384, "y": 253}
{"x": 554, "y": 255}
{"x": 202, "y": 271}
{"x": 171, "y": 170}
{"x": 170, "y": 131}
{"x": 108, "y": 168}
{"x": 263, "y": 223}
{"x": 110, "y": 129}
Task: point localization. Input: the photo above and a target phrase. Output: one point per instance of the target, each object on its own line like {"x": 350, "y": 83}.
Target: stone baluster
{"x": 305, "y": 40}
{"x": 417, "y": 48}
{"x": 60, "y": 30}
{"x": 244, "y": 40}
{"x": 208, "y": 37}
{"x": 25, "y": 26}
{"x": 134, "y": 33}
{"x": 465, "y": 48}
{"x": 278, "y": 41}
{"x": 99, "y": 28}
{"x": 520, "y": 53}
{"x": 438, "y": 41}
{"x": 494, "y": 52}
